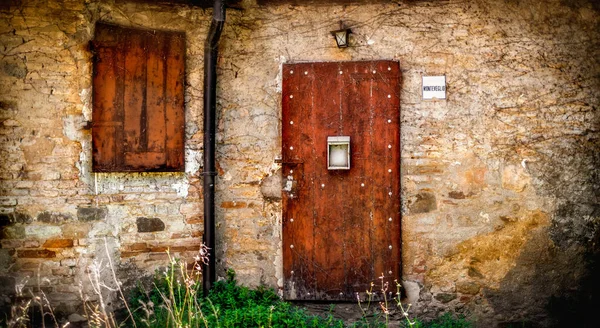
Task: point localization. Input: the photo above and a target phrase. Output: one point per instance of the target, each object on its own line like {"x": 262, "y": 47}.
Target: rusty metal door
{"x": 341, "y": 228}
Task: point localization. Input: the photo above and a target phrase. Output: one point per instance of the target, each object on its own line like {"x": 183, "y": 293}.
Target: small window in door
{"x": 138, "y": 120}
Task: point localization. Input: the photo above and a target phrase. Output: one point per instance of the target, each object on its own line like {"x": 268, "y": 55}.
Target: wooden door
{"x": 341, "y": 228}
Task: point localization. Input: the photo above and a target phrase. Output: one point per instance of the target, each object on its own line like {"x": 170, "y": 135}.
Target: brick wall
{"x": 500, "y": 181}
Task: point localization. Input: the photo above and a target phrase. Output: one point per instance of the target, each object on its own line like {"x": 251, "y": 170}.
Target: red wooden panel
{"x": 298, "y": 221}
{"x": 138, "y": 92}
{"x": 155, "y": 94}
{"x": 175, "y": 117}
{"x": 328, "y": 226}
{"x": 105, "y": 119}
{"x": 336, "y": 228}
{"x": 135, "y": 88}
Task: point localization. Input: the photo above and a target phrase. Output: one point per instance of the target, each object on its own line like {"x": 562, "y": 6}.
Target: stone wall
{"x": 500, "y": 181}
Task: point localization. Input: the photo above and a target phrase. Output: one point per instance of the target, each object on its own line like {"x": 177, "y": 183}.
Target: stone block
{"x": 42, "y": 231}
{"x": 11, "y": 243}
{"x": 58, "y": 243}
{"x": 15, "y": 217}
{"x": 13, "y": 232}
{"x": 86, "y": 214}
{"x": 52, "y": 217}
{"x": 454, "y": 194}
{"x": 422, "y": 203}
{"x": 468, "y": 287}
{"x": 68, "y": 262}
{"x": 445, "y": 297}
{"x": 31, "y": 244}
{"x": 76, "y": 231}
{"x": 62, "y": 271}
{"x": 270, "y": 186}
{"x": 515, "y": 178}
{"x": 149, "y": 224}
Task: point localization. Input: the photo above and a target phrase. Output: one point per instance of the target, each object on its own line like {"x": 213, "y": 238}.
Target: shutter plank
{"x": 104, "y": 114}
{"x": 155, "y": 94}
{"x": 175, "y": 118}
{"x": 146, "y": 161}
{"x": 134, "y": 98}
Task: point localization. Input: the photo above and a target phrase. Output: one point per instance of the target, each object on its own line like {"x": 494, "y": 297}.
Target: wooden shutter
{"x": 138, "y": 120}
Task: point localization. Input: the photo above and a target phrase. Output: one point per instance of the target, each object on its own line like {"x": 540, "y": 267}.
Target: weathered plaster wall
{"x": 501, "y": 188}
{"x": 57, "y": 215}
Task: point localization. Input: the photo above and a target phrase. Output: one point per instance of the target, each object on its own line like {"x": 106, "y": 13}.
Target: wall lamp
{"x": 341, "y": 36}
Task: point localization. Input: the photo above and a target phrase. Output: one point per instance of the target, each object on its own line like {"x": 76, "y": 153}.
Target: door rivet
{"x": 292, "y": 220}
{"x": 390, "y": 193}
{"x": 292, "y": 122}
{"x": 389, "y": 247}
{"x": 390, "y": 219}
{"x": 341, "y": 72}
{"x": 291, "y": 72}
{"x": 389, "y": 68}
{"x": 390, "y": 272}
{"x": 374, "y": 71}
{"x": 292, "y": 272}
{"x": 292, "y": 246}
{"x": 322, "y": 185}
{"x": 389, "y": 96}
{"x": 390, "y": 146}
{"x": 389, "y": 121}
{"x": 305, "y": 72}
{"x": 291, "y": 171}
{"x": 292, "y": 148}
{"x": 390, "y": 170}
{"x": 362, "y": 184}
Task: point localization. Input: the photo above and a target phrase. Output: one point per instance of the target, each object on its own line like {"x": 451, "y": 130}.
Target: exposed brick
{"x": 136, "y": 247}
{"x": 195, "y": 220}
{"x": 233, "y": 204}
{"x": 58, "y": 243}
{"x": 35, "y": 253}
{"x": 159, "y": 249}
{"x": 11, "y": 243}
{"x": 127, "y": 254}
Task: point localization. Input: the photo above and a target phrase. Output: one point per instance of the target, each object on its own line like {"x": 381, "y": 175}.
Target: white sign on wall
{"x": 434, "y": 87}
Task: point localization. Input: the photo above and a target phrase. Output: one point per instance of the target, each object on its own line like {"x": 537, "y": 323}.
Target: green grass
{"x": 176, "y": 301}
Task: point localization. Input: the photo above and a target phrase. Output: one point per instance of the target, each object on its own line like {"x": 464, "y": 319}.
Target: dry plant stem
{"x": 43, "y": 300}
{"x": 399, "y": 304}
{"x": 114, "y": 275}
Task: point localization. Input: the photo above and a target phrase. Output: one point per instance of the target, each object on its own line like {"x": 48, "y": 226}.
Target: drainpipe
{"x": 210, "y": 99}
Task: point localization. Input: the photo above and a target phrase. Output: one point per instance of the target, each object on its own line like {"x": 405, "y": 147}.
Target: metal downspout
{"x": 210, "y": 99}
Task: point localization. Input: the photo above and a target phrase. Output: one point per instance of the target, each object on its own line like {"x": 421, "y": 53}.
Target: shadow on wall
{"x": 555, "y": 280}
{"x": 549, "y": 286}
